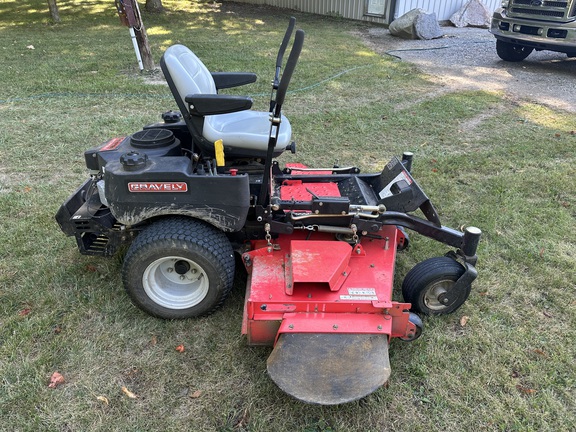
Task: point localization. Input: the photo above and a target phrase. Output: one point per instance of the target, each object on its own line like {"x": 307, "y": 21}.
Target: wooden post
{"x": 54, "y": 10}
{"x": 145, "y": 51}
{"x": 142, "y": 38}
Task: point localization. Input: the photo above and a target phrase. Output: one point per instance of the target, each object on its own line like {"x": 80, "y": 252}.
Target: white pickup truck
{"x": 521, "y": 26}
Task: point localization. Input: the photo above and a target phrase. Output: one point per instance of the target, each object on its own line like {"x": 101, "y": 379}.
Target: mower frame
{"x": 318, "y": 245}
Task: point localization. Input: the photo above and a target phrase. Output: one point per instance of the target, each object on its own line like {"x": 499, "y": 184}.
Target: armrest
{"x": 210, "y": 104}
{"x": 225, "y": 80}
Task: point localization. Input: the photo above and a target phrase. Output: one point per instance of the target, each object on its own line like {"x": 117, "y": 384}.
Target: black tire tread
{"x": 512, "y": 53}
{"x": 181, "y": 229}
{"x": 425, "y": 273}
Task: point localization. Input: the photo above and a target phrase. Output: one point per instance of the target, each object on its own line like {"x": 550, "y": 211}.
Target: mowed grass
{"x": 506, "y": 167}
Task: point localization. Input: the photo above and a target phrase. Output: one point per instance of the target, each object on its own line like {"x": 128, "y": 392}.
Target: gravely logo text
{"x": 158, "y": 187}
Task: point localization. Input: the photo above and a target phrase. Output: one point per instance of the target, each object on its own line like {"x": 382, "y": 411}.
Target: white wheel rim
{"x": 431, "y": 296}
{"x": 175, "y": 282}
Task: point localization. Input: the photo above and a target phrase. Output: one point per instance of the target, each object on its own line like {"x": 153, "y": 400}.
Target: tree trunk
{"x": 54, "y": 10}
{"x": 154, "y": 6}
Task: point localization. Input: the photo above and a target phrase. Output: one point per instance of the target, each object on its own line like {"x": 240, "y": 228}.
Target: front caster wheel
{"x": 424, "y": 285}
{"x": 179, "y": 268}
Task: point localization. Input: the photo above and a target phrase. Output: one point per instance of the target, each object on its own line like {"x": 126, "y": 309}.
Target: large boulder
{"x": 474, "y": 14}
{"x": 416, "y": 24}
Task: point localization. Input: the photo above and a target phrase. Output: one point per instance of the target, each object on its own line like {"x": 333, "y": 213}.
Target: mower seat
{"x": 211, "y": 116}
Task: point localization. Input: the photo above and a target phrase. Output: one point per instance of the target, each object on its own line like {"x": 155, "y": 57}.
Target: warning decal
{"x": 386, "y": 192}
{"x": 360, "y": 294}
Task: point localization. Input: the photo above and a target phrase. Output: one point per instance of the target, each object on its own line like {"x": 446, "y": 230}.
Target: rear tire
{"x": 512, "y": 52}
{"x": 179, "y": 268}
{"x": 428, "y": 280}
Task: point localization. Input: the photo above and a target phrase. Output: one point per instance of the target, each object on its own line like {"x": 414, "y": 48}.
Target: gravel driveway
{"x": 465, "y": 58}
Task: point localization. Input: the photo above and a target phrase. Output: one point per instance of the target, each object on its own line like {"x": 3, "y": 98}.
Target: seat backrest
{"x": 187, "y": 73}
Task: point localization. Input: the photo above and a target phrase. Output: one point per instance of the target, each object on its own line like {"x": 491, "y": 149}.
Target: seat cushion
{"x": 246, "y": 130}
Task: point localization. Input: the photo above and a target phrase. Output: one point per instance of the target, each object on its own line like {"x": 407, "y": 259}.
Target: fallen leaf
{"x": 27, "y": 189}
{"x": 153, "y": 341}
{"x": 542, "y": 253}
{"x": 557, "y": 135}
{"x": 540, "y": 352}
{"x": 128, "y": 393}
{"x": 464, "y": 320}
{"x": 55, "y": 380}
{"x": 24, "y": 312}
{"x": 525, "y": 390}
{"x": 103, "y": 399}
{"x": 547, "y": 314}
{"x": 57, "y": 329}
{"x": 91, "y": 268}
{"x": 196, "y": 394}
{"x": 180, "y": 348}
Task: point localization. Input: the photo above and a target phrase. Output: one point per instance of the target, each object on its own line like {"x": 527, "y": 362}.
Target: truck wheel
{"x": 427, "y": 280}
{"x": 512, "y": 52}
{"x": 179, "y": 268}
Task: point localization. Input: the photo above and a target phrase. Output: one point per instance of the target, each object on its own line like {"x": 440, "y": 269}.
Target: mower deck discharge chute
{"x": 318, "y": 244}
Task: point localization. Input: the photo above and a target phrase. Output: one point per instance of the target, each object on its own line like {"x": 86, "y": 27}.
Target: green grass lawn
{"x": 506, "y": 167}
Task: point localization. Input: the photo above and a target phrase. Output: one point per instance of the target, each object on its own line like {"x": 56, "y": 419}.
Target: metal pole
{"x": 136, "y": 49}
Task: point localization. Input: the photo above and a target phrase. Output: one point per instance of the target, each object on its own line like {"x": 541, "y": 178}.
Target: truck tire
{"x": 512, "y": 52}
{"x": 179, "y": 268}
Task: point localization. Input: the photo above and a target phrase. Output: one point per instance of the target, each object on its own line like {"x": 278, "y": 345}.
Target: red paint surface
{"x": 321, "y": 285}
